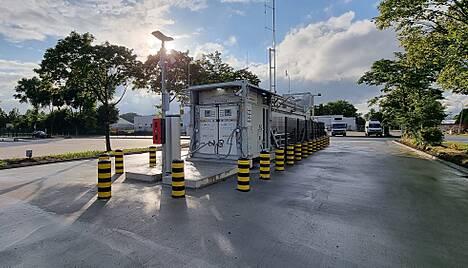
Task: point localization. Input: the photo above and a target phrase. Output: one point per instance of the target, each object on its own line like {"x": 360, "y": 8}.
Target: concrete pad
{"x": 200, "y": 173}
{"x": 137, "y": 168}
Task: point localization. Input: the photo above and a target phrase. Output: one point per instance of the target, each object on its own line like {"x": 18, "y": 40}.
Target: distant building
{"x": 121, "y": 125}
{"x": 143, "y": 124}
{"x": 449, "y": 126}
{"x": 328, "y": 119}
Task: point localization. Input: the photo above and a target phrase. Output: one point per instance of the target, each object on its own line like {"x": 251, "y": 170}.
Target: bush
{"x": 432, "y": 136}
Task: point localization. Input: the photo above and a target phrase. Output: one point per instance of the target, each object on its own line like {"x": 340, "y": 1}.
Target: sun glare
{"x": 154, "y": 45}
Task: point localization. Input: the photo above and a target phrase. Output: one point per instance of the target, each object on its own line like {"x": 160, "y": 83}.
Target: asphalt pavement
{"x": 43, "y": 147}
{"x": 456, "y": 138}
{"x": 362, "y": 202}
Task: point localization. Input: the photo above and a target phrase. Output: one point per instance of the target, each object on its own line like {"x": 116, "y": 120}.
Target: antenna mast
{"x": 272, "y": 49}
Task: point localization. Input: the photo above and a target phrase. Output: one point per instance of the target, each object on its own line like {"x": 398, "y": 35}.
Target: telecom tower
{"x": 272, "y": 49}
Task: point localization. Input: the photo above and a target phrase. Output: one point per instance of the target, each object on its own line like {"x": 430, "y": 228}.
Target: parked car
{"x": 373, "y": 128}
{"x": 39, "y": 134}
{"x": 339, "y": 128}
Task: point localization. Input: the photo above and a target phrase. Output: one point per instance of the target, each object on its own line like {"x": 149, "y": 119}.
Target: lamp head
{"x": 162, "y": 36}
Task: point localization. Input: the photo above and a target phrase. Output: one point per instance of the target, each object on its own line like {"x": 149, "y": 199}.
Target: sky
{"x": 325, "y": 45}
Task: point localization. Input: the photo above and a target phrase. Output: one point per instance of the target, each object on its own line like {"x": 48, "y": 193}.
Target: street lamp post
{"x": 166, "y": 153}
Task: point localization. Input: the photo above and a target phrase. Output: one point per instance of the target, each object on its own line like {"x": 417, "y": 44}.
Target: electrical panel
{"x": 158, "y": 131}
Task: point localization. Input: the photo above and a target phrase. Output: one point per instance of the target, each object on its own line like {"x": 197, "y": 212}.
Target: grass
{"x": 462, "y": 146}
{"x": 455, "y": 152}
{"x": 15, "y": 162}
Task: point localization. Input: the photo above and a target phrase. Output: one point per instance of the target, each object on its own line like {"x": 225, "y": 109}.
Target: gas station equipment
{"x": 236, "y": 119}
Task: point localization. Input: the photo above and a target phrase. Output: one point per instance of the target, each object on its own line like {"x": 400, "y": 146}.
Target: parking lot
{"x": 359, "y": 203}
{"x": 42, "y": 147}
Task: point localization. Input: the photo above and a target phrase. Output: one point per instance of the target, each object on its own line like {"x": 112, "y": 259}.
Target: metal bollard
{"x": 311, "y": 147}
{"x": 119, "y": 161}
{"x": 279, "y": 159}
{"x": 265, "y": 165}
{"x": 290, "y": 155}
{"x": 298, "y": 152}
{"x": 305, "y": 149}
{"x": 178, "y": 179}
{"x": 243, "y": 175}
{"x": 104, "y": 179}
{"x": 152, "y": 156}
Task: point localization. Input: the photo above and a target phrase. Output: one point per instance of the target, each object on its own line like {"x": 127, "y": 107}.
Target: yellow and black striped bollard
{"x": 305, "y": 149}
{"x": 311, "y": 147}
{"x": 279, "y": 159}
{"x": 104, "y": 156}
{"x": 152, "y": 156}
{"x": 104, "y": 179}
{"x": 298, "y": 152}
{"x": 290, "y": 155}
{"x": 119, "y": 161}
{"x": 265, "y": 165}
{"x": 328, "y": 140}
{"x": 243, "y": 175}
{"x": 178, "y": 179}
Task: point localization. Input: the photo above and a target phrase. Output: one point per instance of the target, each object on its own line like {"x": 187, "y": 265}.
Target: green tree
{"x": 183, "y": 71}
{"x": 81, "y": 71}
{"x": 35, "y": 92}
{"x": 374, "y": 115}
{"x": 3, "y": 118}
{"x": 339, "y": 107}
{"x": 212, "y": 69}
{"x": 434, "y": 34}
{"x": 409, "y": 98}
{"x": 464, "y": 117}
{"x": 180, "y": 67}
{"x": 107, "y": 114}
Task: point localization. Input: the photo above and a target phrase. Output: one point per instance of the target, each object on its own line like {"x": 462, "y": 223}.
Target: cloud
{"x": 329, "y": 56}
{"x": 453, "y": 103}
{"x": 240, "y": 1}
{"x": 206, "y": 48}
{"x": 10, "y": 73}
{"x": 231, "y": 41}
{"x": 334, "y": 50}
{"x": 119, "y": 21}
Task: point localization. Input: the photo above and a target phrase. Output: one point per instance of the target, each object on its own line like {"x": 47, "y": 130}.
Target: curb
{"x": 432, "y": 157}
{"x": 67, "y": 160}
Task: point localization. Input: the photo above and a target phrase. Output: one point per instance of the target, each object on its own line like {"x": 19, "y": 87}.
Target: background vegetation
{"x": 79, "y": 84}
{"x": 434, "y": 38}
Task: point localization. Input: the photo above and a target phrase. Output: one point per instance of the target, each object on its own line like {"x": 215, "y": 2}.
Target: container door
{"x": 208, "y": 130}
{"x": 227, "y": 118}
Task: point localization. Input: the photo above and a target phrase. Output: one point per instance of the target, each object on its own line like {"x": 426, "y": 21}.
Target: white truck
{"x": 339, "y": 128}
{"x": 373, "y": 127}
